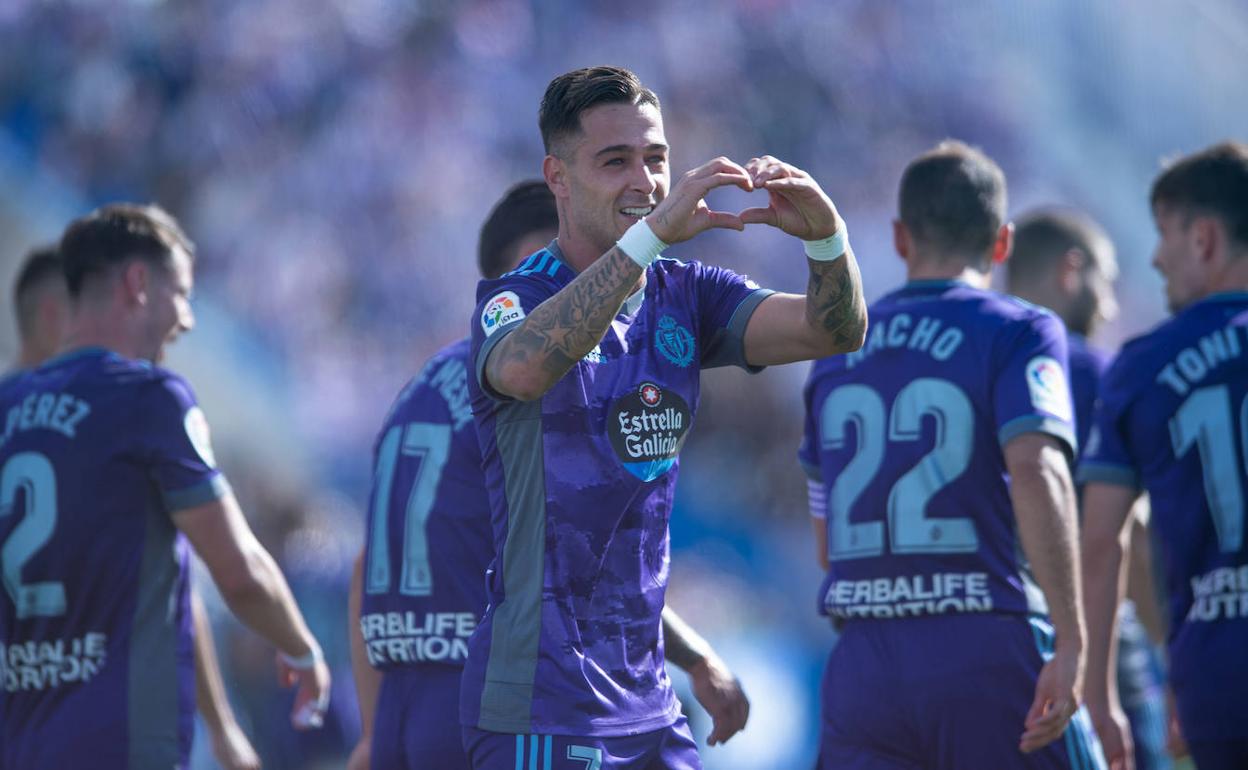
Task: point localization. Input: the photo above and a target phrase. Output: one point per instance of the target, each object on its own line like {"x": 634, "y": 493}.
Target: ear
{"x": 901, "y": 239}
{"x": 1004, "y": 244}
{"x": 555, "y": 171}
{"x": 1205, "y": 237}
{"x": 135, "y": 282}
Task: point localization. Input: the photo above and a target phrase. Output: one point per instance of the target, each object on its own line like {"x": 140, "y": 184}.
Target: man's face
{"x": 616, "y": 171}
{"x": 169, "y": 304}
{"x": 1095, "y": 302}
{"x": 1176, "y": 258}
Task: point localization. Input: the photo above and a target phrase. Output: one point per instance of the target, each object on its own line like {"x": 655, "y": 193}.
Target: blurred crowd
{"x": 333, "y": 161}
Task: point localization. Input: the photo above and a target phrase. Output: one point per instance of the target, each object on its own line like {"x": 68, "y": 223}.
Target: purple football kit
{"x": 96, "y": 661}
{"x": 581, "y": 484}
{"x": 1173, "y": 421}
{"x": 1141, "y": 685}
{"x": 428, "y": 545}
{"x": 943, "y": 629}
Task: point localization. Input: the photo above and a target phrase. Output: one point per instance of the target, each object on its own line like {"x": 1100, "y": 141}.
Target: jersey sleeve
{"x": 501, "y": 305}
{"x": 176, "y": 447}
{"x": 1106, "y": 457}
{"x": 1031, "y": 393}
{"x": 726, "y": 300}
{"x": 808, "y": 451}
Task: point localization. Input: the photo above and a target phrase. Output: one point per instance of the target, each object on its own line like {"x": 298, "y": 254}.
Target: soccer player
{"x": 42, "y": 309}
{"x": 944, "y": 509}
{"x": 105, "y": 471}
{"x": 1173, "y": 421}
{"x": 585, "y": 373}
{"x": 1064, "y": 261}
{"x": 416, "y": 715}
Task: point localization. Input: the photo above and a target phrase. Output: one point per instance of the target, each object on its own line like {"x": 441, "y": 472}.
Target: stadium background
{"x": 334, "y": 159}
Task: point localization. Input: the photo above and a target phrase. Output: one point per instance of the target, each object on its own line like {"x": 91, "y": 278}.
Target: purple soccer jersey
{"x": 1173, "y": 420}
{"x": 1087, "y": 368}
{"x": 95, "y": 639}
{"x": 581, "y": 484}
{"x": 429, "y": 536}
{"x": 907, "y": 436}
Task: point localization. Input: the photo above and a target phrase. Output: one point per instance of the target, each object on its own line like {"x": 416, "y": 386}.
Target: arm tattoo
{"x": 835, "y": 305}
{"x": 565, "y": 328}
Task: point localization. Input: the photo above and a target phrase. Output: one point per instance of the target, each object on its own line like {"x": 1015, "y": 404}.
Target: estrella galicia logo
{"x": 647, "y": 428}
{"x": 674, "y": 342}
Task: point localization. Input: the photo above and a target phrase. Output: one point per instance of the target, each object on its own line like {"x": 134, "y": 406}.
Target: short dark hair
{"x": 1042, "y": 236}
{"x": 115, "y": 233}
{"x": 41, "y": 267}
{"x": 1213, "y": 181}
{"x": 952, "y": 198}
{"x": 527, "y": 207}
{"x": 572, "y": 93}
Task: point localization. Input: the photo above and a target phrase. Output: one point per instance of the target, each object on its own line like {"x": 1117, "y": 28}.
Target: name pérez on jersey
{"x": 60, "y": 412}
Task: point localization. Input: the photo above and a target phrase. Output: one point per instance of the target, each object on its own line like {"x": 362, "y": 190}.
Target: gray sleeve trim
{"x": 1035, "y": 423}
{"x": 727, "y": 347}
{"x": 206, "y": 491}
{"x": 1109, "y": 473}
{"x": 484, "y": 353}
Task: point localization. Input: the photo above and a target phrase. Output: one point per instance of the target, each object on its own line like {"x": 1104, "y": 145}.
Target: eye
{"x": 656, "y": 160}
{"x": 614, "y": 162}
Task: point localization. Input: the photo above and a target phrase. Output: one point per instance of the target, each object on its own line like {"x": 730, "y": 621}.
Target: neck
{"x": 1233, "y": 278}
{"x": 578, "y": 252}
{"x": 926, "y": 270}
{"x": 35, "y": 352}
{"x": 94, "y": 327}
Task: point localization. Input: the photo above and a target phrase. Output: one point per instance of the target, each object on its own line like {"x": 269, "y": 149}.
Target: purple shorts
{"x": 416, "y": 726}
{"x": 942, "y": 692}
{"x": 671, "y": 748}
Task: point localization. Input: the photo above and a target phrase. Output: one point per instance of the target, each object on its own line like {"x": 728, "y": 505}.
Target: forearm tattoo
{"x": 834, "y": 301}
{"x": 565, "y": 328}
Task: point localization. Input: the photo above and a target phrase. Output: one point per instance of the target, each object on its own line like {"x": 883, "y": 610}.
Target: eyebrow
{"x": 629, "y": 148}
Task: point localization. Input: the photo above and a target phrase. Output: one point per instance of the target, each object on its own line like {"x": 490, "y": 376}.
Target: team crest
{"x": 500, "y": 311}
{"x": 674, "y": 342}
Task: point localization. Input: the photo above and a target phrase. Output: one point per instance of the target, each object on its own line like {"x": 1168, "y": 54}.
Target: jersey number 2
{"x": 910, "y": 531}
{"x": 1205, "y": 420}
{"x": 32, "y": 473}
{"x": 429, "y": 444}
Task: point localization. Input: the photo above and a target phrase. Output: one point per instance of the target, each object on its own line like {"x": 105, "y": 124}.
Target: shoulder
{"x": 445, "y": 375}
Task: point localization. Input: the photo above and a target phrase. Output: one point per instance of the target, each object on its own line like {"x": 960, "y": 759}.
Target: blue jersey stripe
{"x": 532, "y": 752}
{"x": 554, "y": 268}
{"x": 539, "y": 267}
{"x": 519, "y": 752}
{"x": 548, "y": 749}
{"x": 526, "y": 264}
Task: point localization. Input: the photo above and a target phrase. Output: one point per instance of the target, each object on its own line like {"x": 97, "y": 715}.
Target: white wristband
{"x": 304, "y": 662}
{"x": 830, "y": 248}
{"x": 641, "y": 244}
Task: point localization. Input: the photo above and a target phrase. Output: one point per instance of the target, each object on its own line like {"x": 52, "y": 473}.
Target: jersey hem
{"x": 1034, "y": 423}
{"x": 598, "y": 729}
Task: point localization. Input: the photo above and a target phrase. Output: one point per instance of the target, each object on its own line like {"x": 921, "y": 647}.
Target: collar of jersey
{"x": 76, "y": 353}
{"x": 933, "y": 284}
{"x": 631, "y": 305}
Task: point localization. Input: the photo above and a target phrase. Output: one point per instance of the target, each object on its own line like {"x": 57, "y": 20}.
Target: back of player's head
{"x": 42, "y": 269}
{"x": 1212, "y": 182}
{"x": 112, "y": 235}
{"x": 528, "y": 207}
{"x": 572, "y": 93}
{"x": 952, "y": 199}
{"x": 1043, "y": 237}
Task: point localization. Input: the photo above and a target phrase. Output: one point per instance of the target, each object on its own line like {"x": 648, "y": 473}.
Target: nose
{"x": 1108, "y": 305}
{"x": 186, "y": 317}
{"x": 644, "y": 179}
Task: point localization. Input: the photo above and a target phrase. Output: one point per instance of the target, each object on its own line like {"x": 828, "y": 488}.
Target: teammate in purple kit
{"x": 586, "y": 366}
{"x": 1063, "y": 260}
{"x": 1173, "y": 421}
{"x": 944, "y": 509}
{"x": 417, "y": 711}
{"x": 105, "y": 464}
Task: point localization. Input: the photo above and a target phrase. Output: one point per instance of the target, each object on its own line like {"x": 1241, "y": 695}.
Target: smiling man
{"x": 587, "y": 361}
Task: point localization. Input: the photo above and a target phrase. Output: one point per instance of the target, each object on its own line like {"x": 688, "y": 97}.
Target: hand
{"x": 232, "y": 749}
{"x": 1176, "y": 744}
{"x": 1058, "y": 690}
{"x": 312, "y": 698}
{"x": 720, "y": 694}
{"x": 1115, "y": 733}
{"x": 683, "y": 213}
{"x": 361, "y": 755}
{"x": 796, "y": 203}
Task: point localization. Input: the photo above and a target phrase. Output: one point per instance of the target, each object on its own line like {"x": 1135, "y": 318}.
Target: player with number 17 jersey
{"x": 96, "y": 666}
{"x": 428, "y": 541}
{"x": 905, "y": 438}
{"x": 1173, "y": 419}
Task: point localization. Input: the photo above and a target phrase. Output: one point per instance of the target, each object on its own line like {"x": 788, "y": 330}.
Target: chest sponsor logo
{"x": 1046, "y": 383}
{"x": 674, "y": 342}
{"x": 647, "y": 429}
{"x": 500, "y": 311}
